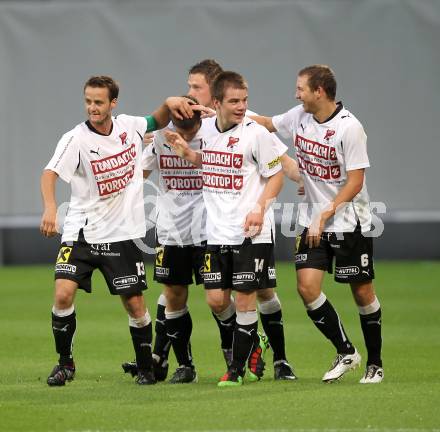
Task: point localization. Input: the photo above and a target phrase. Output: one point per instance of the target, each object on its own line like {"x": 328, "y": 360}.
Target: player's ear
{"x": 113, "y": 103}
{"x": 320, "y": 91}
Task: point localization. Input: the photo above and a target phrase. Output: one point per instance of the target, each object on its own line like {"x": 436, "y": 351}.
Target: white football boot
{"x": 342, "y": 364}
{"x": 373, "y": 375}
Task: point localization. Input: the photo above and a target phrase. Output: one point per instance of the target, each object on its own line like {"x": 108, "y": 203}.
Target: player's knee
{"x": 176, "y": 302}
{"x": 64, "y": 294}
{"x": 303, "y": 288}
{"x": 63, "y": 300}
{"x": 363, "y": 293}
{"x": 308, "y": 291}
{"x": 218, "y": 303}
{"x": 264, "y": 295}
{"x": 176, "y": 295}
{"x": 134, "y": 305}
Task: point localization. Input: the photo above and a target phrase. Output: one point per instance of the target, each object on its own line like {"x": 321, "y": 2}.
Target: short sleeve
{"x": 285, "y": 123}
{"x": 149, "y": 157}
{"x": 266, "y": 153}
{"x": 354, "y": 144}
{"x": 281, "y": 147}
{"x": 66, "y": 158}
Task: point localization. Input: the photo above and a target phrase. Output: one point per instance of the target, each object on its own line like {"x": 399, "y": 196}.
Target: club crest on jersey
{"x": 329, "y": 134}
{"x": 232, "y": 141}
{"x": 123, "y": 137}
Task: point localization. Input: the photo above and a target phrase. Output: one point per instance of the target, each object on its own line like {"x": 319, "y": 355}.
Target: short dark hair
{"x": 320, "y": 76}
{"x": 223, "y": 81}
{"x": 187, "y": 123}
{"x": 103, "y": 81}
{"x": 209, "y": 68}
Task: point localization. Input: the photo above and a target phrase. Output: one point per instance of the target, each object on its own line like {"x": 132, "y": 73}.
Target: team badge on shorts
{"x": 207, "y": 266}
{"x": 159, "y": 256}
{"x": 64, "y": 254}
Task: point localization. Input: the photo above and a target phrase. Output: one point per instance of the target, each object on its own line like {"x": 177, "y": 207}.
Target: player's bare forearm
{"x": 162, "y": 116}
{"x": 271, "y": 190}
{"x": 48, "y": 220}
{"x": 48, "y": 181}
{"x": 146, "y": 173}
{"x": 253, "y": 223}
{"x": 178, "y": 106}
{"x": 290, "y": 168}
{"x": 353, "y": 185}
{"x": 264, "y": 121}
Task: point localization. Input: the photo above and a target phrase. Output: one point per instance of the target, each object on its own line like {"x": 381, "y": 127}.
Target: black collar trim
{"x": 89, "y": 125}
{"x": 339, "y": 107}
{"x": 226, "y": 130}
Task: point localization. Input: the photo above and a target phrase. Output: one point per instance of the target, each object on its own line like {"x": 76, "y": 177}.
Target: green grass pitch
{"x": 102, "y": 398}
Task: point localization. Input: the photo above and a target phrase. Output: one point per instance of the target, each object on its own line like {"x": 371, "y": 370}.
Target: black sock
{"x": 162, "y": 343}
{"x": 372, "y": 329}
{"x": 63, "y": 331}
{"x": 327, "y": 321}
{"x": 245, "y": 338}
{"x": 179, "y": 333}
{"x": 142, "y": 337}
{"x": 274, "y": 329}
{"x": 226, "y": 329}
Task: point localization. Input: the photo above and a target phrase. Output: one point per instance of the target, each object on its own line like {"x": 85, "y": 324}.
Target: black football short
{"x": 175, "y": 265}
{"x": 121, "y": 264}
{"x": 352, "y": 251}
{"x": 247, "y": 267}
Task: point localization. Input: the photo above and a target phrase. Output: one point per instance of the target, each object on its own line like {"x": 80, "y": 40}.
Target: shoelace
{"x": 337, "y": 360}
{"x": 371, "y": 371}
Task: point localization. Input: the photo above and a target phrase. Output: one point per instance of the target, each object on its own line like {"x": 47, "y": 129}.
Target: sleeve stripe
{"x": 151, "y": 123}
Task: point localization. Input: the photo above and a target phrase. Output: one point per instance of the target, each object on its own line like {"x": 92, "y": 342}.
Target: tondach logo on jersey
{"x": 317, "y": 159}
{"x": 222, "y": 159}
{"x": 114, "y": 173}
{"x": 171, "y": 166}
{"x": 173, "y": 162}
{"x": 314, "y": 148}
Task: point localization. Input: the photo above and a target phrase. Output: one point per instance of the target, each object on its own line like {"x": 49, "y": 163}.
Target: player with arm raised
{"x": 101, "y": 160}
{"x": 331, "y": 147}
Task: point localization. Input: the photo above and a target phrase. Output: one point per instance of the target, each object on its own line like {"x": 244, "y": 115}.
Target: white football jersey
{"x": 180, "y": 211}
{"x": 325, "y": 152}
{"x": 106, "y": 180}
{"x": 236, "y": 165}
